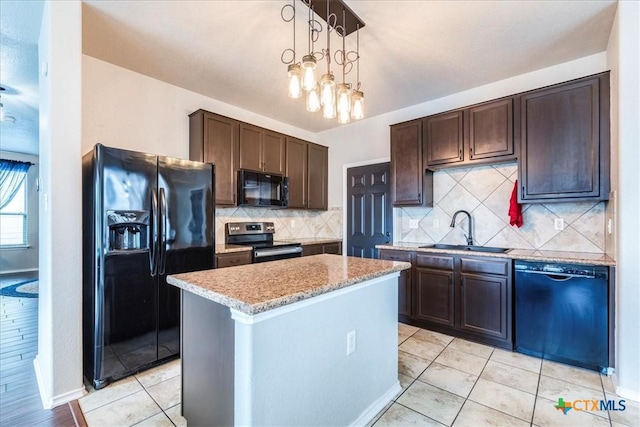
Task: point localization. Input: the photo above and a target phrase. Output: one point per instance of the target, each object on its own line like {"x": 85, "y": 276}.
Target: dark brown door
{"x": 560, "y": 131}
{"x": 369, "y": 213}
{"x": 317, "y": 176}
{"x": 484, "y": 305}
{"x": 434, "y": 293}
{"x": 221, "y": 149}
{"x": 273, "y": 152}
{"x": 296, "y": 170}
{"x": 491, "y": 130}
{"x": 250, "y": 147}
{"x": 444, "y": 138}
{"x": 407, "y": 172}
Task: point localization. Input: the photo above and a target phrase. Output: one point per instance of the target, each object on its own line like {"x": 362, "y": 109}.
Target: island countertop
{"x": 255, "y": 288}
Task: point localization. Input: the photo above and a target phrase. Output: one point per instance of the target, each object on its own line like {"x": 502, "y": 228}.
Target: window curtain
{"x": 12, "y": 174}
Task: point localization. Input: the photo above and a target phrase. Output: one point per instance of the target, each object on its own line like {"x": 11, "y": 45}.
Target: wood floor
{"x": 20, "y": 403}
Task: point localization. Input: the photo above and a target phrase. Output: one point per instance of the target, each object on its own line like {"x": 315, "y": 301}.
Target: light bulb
{"x": 329, "y": 111}
{"x": 344, "y": 99}
{"x": 344, "y": 117}
{"x": 327, "y": 89}
{"x": 357, "y": 107}
{"x": 309, "y": 72}
{"x": 313, "y": 99}
{"x": 294, "y": 72}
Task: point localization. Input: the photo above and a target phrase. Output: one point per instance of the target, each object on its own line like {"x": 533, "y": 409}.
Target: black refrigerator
{"x": 144, "y": 217}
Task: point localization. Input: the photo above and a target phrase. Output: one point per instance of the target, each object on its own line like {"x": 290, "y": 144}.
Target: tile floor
{"x": 445, "y": 381}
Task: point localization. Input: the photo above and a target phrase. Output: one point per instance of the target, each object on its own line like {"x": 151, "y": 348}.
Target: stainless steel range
{"x": 259, "y": 235}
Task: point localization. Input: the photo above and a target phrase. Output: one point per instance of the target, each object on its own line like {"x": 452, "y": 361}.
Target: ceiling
{"x": 412, "y": 51}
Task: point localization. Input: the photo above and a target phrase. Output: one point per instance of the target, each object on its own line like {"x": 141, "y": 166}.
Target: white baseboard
{"x": 628, "y": 393}
{"x": 377, "y": 406}
{"x": 49, "y": 402}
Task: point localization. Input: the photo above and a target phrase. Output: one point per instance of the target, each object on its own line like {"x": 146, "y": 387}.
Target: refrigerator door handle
{"x": 163, "y": 232}
{"x": 153, "y": 244}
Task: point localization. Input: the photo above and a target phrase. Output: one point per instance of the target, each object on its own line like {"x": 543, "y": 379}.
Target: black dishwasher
{"x": 561, "y": 313}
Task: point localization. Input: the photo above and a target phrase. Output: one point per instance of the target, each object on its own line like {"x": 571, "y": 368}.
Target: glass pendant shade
{"x": 295, "y": 76}
{"x": 344, "y": 99}
{"x": 327, "y": 89}
{"x": 313, "y": 99}
{"x": 357, "y": 107}
{"x": 308, "y": 72}
{"x": 329, "y": 111}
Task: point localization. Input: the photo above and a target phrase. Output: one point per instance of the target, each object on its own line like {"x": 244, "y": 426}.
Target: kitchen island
{"x": 303, "y": 341}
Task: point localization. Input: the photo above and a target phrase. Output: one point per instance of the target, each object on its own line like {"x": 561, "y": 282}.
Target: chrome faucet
{"x": 453, "y": 224}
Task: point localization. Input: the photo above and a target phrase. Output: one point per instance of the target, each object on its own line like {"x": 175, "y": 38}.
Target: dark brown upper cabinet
{"x": 214, "y": 139}
{"x": 482, "y": 133}
{"x": 444, "y": 138}
{"x": 261, "y": 149}
{"x": 296, "y": 169}
{"x": 565, "y": 142}
{"x": 410, "y": 185}
{"x": 489, "y": 132}
{"x": 317, "y": 176}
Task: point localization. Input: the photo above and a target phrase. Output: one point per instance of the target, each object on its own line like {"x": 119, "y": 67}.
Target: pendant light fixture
{"x": 357, "y": 97}
{"x": 339, "y": 100}
{"x": 294, "y": 71}
{"x": 309, "y": 61}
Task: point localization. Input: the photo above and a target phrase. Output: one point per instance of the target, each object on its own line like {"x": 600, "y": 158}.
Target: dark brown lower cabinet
{"x": 322, "y": 248}
{"x": 404, "y": 283}
{"x": 233, "y": 259}
{"x": 464, "y": 296}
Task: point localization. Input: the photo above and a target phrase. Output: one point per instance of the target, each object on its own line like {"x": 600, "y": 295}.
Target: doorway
{"x": 369, "y": 213}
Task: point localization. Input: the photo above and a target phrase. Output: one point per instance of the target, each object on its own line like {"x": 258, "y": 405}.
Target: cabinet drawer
{"x": 441, "y": 262}
{"x": 233, "y": 259}
{"x": 332, "y": 248}
{"x": 488, "y": 266}
{"x": 395, "y": 255}
{"x": 314, "y": 249}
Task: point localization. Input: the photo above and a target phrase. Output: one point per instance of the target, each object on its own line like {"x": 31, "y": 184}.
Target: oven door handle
{"x": 260, "y": 253}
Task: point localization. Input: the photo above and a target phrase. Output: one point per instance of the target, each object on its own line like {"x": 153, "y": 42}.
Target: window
{"x": 13, "y": 217}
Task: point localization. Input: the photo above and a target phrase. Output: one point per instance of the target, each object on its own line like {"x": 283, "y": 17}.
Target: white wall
{"x": 125, "y": 109}
{"x": 24, "y": 259}
{"x": 369, "y": 138}
{"x": 59, "y": 361}
{"x": 623, "y": 57}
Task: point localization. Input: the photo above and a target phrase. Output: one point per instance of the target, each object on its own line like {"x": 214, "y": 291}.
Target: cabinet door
{"x": 296, "y": 170}
{"x": 404, "y": 282}
{"x": 484, "y": 305}
{"x": 220, "y": 147}
{"x": 250, "y": 147}
{"x": 435, "y": 296}
{"x": 562, "y": 143}
{"x": 406, "y": 164}
{"x": 490, "y": 132}
{"x": 444, "y": 138}
{"x": 317, "y": 176}
{"x": 273, "y": 153}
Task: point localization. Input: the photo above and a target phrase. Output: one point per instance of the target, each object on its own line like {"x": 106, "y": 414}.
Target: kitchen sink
{"x": 466, "y": 248}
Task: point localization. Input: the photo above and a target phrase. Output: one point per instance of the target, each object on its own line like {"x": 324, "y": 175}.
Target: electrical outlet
{"x": 558, "y": 224}
{"x": 413, "y": 223}
{"x": 293, "y": 223}
{"x": 351, "y": 342}
{"x": 609, "y": 226}
{"x": 436, "y": 223}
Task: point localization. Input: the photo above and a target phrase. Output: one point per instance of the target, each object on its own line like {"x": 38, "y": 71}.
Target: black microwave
{"x": 262, "y": 189}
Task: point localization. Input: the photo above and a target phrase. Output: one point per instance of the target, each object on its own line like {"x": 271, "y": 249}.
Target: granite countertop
{"x": 255, "y": 288}
{"x": 226, "y": 249}
{"x": 520, "y": 254}
{"x": 311, "y": 240}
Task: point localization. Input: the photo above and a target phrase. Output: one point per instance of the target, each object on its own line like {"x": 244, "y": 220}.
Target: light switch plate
{"x": 413, "y": 223}
{"x": 436, "y": 223}
{"x": 558, "y": 224}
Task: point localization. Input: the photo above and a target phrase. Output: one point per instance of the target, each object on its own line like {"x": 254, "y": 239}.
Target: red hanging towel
{"x": 515, "y": 210}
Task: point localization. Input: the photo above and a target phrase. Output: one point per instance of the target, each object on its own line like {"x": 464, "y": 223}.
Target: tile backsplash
{"x": 485, "y": 192}
{"x": 289, "y": 223}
